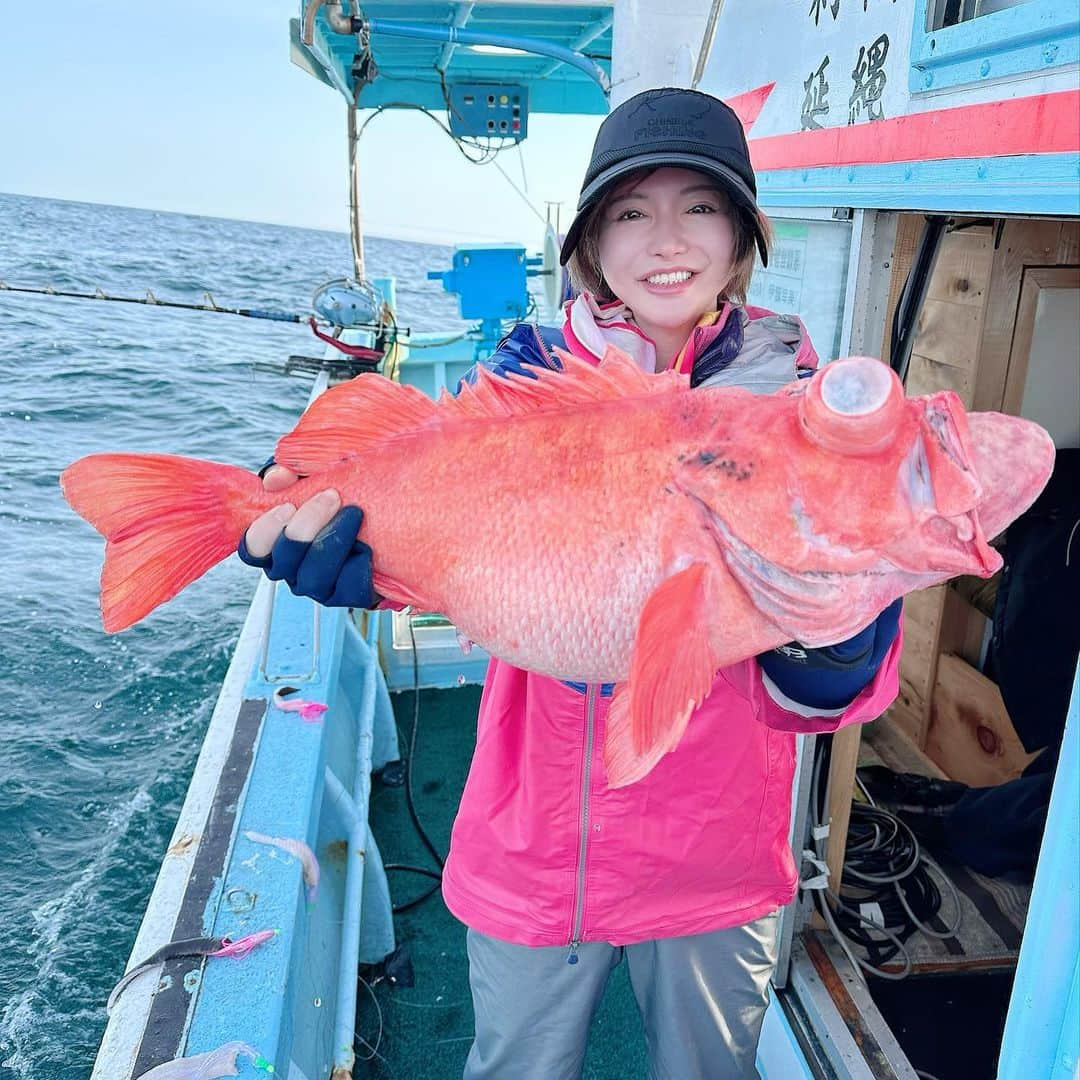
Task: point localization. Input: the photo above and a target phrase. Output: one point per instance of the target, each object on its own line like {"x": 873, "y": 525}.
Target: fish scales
{"x": 551, "y": 522}
{"x": 608, "y": 525}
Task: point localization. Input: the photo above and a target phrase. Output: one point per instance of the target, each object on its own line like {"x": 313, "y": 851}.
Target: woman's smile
{"x": 668, "y": 281}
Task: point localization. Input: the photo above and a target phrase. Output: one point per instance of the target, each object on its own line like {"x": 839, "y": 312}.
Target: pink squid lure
{"x": 308, "y": 710}
{"x": 298, "y": 848}
{"x": 208, "y": 1066}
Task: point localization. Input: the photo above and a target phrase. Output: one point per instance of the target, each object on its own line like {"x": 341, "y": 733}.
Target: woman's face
{"x": 666, "y": 246}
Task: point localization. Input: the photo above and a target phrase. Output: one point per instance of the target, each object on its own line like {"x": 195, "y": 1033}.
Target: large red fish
{"x": 607, "y": 525}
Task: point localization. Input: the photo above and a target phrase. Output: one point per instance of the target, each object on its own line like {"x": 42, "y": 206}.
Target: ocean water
{"x": 99, "y": 733}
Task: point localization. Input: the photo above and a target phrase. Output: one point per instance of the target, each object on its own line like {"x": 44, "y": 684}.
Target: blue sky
{"x": 196, "y": 107}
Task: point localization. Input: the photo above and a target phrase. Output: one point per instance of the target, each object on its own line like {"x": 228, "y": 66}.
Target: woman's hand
{"x": 314, "y": 549}
{"x": 303, "y": 524}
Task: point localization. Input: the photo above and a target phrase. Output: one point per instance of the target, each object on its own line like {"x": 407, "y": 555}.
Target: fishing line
{"x": 524, "y": 197}
{"x": 378, "y": 1038}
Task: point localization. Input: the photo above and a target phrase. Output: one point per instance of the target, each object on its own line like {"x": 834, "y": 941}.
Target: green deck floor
{"x": 426, "y": 1030}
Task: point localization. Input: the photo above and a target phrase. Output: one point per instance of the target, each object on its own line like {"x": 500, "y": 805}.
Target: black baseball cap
{"x": 674, "y": 127}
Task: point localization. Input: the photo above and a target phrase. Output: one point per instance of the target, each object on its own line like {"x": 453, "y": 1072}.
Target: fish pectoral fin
{"x": 671, "y": 672}
{"x": 389, "y": 588}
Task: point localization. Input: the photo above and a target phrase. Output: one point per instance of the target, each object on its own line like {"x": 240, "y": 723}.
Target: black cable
{"x": 912, "y": 295}
{"x": 487, "y": 154}
{"x": 884, "y": 865}
{"x": 883, "y": 857}
{"x": 437, "y": 874}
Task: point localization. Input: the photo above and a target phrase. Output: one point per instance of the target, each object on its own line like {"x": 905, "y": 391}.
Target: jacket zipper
{"x": 579, "y": 894}
{"x": 549, "y": 357}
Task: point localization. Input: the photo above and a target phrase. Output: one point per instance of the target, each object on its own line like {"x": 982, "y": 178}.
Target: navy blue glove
{"x": 334, "y": 569}
{"x": 831, "y": 677}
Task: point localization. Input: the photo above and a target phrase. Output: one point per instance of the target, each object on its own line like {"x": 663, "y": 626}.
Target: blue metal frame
{"x": 452, "y": 35}
{"x": 779, "y": 1056}
{"x": 1042, "y": 1029}
{"x": 559, "y": 76}
{"x": 294, "y": 998}
{"x": 1024, "y": 184}
{"x": 1031, "y": 37}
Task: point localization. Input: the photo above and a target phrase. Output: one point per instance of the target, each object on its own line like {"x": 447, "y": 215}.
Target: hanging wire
{"x": 525, "y": 198}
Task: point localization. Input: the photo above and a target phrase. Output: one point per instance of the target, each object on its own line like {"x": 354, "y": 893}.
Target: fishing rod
{"x": 211, "y": 305}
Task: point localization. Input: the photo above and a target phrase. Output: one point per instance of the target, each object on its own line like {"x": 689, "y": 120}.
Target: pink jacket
{"x": 544, "y": 853}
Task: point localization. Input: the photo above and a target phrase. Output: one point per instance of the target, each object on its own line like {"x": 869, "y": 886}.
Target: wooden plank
{"x": 908, "y": 230}
{"x": 1069, "y": 245}
{"x": 864, "y": 1030}
{"x": 963, "y": 628}
{"x": 949, "y": 333}
{"x": 962, "y": 270}
{"x": 888, "y": 740}
{"x": 971, "y": 737}
{"x": 980, "y": 593}
{"x": 945, "y": 352}
{"x": 842, "y": 762}
{"x": 1023, "y": 243}
{"x": 1034, "y": 281}
{"x": 918, "y": 662}
{"x": 926, "y": 376}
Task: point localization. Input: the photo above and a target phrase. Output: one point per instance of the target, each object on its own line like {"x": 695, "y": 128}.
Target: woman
{"x": 557, "y": 876}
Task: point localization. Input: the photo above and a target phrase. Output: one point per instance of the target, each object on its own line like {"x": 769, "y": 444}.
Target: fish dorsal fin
{"x": 616, "y": 377}
{"x": 352, "y": 417}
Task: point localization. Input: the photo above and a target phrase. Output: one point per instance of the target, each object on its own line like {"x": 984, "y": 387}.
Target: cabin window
{"x": 942, "y": 13}
{"x": 965, "y": 42}
{"x": 807, "y": 276}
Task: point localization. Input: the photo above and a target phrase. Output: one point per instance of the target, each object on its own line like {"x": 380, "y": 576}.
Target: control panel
{"x": 495, "y": 110}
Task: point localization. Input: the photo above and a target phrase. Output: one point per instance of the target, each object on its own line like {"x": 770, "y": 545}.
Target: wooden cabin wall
{"x": 946, "y": 707}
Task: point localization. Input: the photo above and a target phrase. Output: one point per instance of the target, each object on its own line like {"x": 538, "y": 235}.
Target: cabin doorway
{"x": 966, "y": 756}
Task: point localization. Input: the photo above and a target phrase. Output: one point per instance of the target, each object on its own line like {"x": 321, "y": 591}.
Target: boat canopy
{"x": 397, "y": 55}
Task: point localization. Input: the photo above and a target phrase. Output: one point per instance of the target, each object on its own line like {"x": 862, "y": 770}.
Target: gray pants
{"x": 702, "y": 1000}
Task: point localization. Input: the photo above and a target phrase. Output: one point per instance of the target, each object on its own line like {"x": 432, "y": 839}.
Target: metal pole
{"x": 706, "y": 42}
{"x": 355, "y": 225}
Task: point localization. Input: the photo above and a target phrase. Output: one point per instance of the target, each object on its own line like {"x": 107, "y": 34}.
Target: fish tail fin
{"x": 166, "y": 521}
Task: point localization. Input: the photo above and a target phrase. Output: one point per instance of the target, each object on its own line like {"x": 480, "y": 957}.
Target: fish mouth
{"x": 804, "y": 605}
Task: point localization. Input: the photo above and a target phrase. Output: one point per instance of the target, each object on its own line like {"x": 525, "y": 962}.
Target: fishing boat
{"x": 920, "y": 163}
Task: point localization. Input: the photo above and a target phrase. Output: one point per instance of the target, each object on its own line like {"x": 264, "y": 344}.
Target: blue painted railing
{"x": 1042, "y": 1029}
{"x": 1036, "y": 36}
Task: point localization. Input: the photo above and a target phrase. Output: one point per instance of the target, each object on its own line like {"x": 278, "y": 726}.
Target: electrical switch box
{"x": 495, "y": 110}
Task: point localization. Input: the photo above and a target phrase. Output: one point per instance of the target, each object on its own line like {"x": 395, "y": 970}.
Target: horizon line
{"x": 377, "y": 235}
